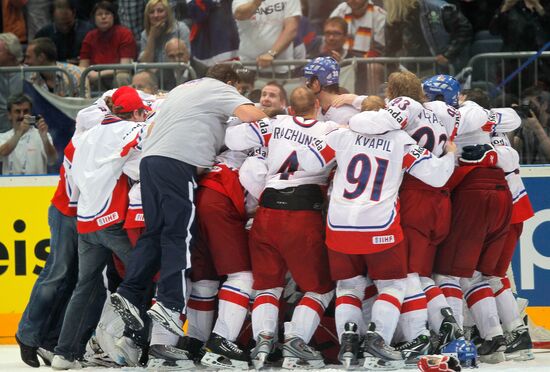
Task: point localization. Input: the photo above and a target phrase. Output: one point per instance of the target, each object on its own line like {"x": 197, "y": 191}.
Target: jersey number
{"x": 289, "y": 166}
{"x": 362, "y": 161}
{"x": 425, "y": 137}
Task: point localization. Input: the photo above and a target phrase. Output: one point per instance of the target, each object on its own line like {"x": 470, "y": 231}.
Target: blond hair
{"x": 170, "y": 19}
{"x": 372, "y": 103}
{"x": 398, "y": 10}
{"x": 405, "y": 83}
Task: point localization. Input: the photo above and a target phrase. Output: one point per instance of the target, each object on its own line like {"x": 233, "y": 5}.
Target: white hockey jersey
{"x": 363, "y": 214}
{"x": 283, "y": 135}
{"x": 99, "y": 162}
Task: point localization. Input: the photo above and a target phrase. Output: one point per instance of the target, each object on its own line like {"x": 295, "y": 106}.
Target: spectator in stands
{"x": 27, "y": 148}
{"x": 108, "y": 43}
{"x": 366, "y": 39}
{"x": 335, "y": 35}
{"x": 66, "y": 31}
{"x": 160, "y": 26}
{"x": 273, "y": 99}
{"x": 215, "y": 36}
{"x": 479, "y": 13}
{"x": 11, "y": 54}
{"x": 176, "y": 51}
{"x": 445, "y": 34}
{"x": 130, "y": 13}
{"x": 13, "y": 18}
{"x": 267, "y": 30}
{"x": 146, "y": 81}
{"x": 319, "y": 11}
{"x": 42, "y": 52}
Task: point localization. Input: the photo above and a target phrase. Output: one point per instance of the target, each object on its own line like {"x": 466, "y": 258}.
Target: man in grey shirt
{"x": 186, "y": 137}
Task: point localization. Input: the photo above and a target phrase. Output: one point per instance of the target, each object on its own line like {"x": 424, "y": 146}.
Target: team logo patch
{"x": 108, "y": 218}
{"x": 383, "y": 239}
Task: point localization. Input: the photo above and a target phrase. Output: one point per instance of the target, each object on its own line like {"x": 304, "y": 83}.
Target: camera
{"x": 525, "y": 108}
{"x": 32, "y": 120}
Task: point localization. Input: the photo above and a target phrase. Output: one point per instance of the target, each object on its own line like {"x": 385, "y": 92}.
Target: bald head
{"x": 176, "y": 51}
{"x": 303, "y": 102}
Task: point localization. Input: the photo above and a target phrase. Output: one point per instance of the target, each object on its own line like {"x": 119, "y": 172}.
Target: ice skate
{"x": 60, "y": 363}
{"x": 168, "y": 358}
{"x": 264, "y": 346}
{"x": 165, "y": 317}
{"x": 518, "y": 344}
{"x": 193, "y": 346}
{"x": 378, "y": 355}
{"x": 492, "y": 351}
{"x": 449, "y": 329}
{"x": 349, "y": 345}
{"x": 413, "y": 350}
{"x": 127, "y": 311}
{"x": 222, "y": 353}
{"x": 299, "y": 355}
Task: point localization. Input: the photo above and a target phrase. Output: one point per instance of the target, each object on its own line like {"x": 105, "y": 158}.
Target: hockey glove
{"x": 483, "y": 155}
{"x": 438, "y": 363}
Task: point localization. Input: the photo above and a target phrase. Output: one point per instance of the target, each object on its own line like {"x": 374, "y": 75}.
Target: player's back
{"x": 428, "y": 131}
{"x": 289, "y": 134}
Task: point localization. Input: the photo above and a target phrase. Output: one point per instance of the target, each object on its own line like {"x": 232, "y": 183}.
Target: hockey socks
{"x": 507, "y": 306}
{"x": 414, "y": 312}
{"x": 387, "y": 307}
{"x": 233, "y": 298}
{"x": 349, "y": 302}
{"x": 435, "y": 302}
{"x": 265, "y": 311}
{"x": 200, "y": 309}
{"x": 450, "y": 286}
{"x": 307, "y": 315}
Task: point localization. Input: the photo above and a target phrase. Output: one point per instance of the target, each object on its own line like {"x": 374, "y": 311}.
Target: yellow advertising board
{"x": 24, "y": 243}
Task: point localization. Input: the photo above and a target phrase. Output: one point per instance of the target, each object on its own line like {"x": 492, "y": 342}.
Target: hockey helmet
{"x": 442, "y": 85}
{"x": 463, "y": 350}
{"x": 325, "y": 69}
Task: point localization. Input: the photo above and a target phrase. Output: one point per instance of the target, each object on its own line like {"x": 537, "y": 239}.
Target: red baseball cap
{"x": 128, "y": 98}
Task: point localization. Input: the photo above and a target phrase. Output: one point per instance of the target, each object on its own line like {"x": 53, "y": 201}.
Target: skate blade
{"x": 383, "y": 365}
{"x": 349, "y": 360}
{"x": 297, "y": 363}
{"x": 520, "y": 356}
{"x": 219, "y": 361}
{"x": 162, "y": 365}
{"x": 259, "y": 361}
{"x": 494, "y": 358}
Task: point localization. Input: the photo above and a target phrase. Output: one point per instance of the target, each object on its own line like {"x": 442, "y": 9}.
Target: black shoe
{"x": 28, "y": 354}
{"x": 193, "y": 346}
{"x": 492, "y": 351}
{"x": 349, "y": 345}
{"x": 220, "y": 352}
{"x": 518, "y": 344}
{"x": 449, "y": 330}
{"x": 413, "y": 350}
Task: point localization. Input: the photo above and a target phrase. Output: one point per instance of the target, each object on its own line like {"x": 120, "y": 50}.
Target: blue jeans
{"x": 55, "y": 283}
{"x": 84, "y": 308}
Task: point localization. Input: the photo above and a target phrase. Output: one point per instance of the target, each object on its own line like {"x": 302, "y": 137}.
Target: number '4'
{"x": 289, "y": 166}
{"x": 362, "y": 161}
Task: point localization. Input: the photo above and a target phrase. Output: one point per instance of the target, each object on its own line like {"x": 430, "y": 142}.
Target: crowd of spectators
{"x": 74, "y": 35}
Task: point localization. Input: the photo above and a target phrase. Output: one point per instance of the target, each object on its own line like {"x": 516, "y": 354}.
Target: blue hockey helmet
{"x": 442, "y": 85}
{"x": 463, "y": 350}
{"x": 325, "y": 69}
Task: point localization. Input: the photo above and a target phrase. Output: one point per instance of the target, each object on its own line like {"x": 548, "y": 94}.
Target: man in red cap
{"x": 100, "y": 173}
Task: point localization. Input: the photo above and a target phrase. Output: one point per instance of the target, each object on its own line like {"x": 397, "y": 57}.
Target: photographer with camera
{"x": 27, "y": 148}
{"x": 532, "y": 139}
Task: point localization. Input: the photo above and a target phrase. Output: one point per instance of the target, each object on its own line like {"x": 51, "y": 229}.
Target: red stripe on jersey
{"x": 209, "y": 305}
{"x": 408, "y": 160}
{"x": 126, "y": 149}
{"x": 312, "y": 304}
{"x": 416, "y": 304}
{"x": 479, "y": 295}
{"x": 389, "y": 298}
{"x": 522, "y": 210}
{"x": 348, "y": 300}
{"x": 265, "y": 299}
{"x": 370, "y": 291}
{"x": 452, "y": 292}
{"x": 327, "y": 153}
{"x": 433, "y": 292}
{"x": 505, "y": 285}
{"x": 233, "y": 297}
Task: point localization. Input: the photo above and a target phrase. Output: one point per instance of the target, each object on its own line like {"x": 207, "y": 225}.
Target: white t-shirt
{"x": 259, "y": 33}
{"x": 28, "y": 157}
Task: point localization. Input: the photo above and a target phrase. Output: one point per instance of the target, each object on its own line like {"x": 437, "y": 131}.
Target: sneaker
{"x": 59, "y": 362}
{"x": 518, "y": 344}
{"x": 168, "y": 358}
{"x": 298, "y": 354}
{"x": 449, "y": 330}
{"x": 349, "y": 345}
{"x": 264, "y": 346}
{"x": 167, "y": 318}
{"x": 492, "y": 351}
{"x": 45, "y": 355}
{"x": 28, "y": 354}
{"x": 193, "y": 346}
{"x": 222, "y": 353}
{"x": 413, "y": 350}
{"x": 127, "y": 311}
{"x": 378, "y": 355}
